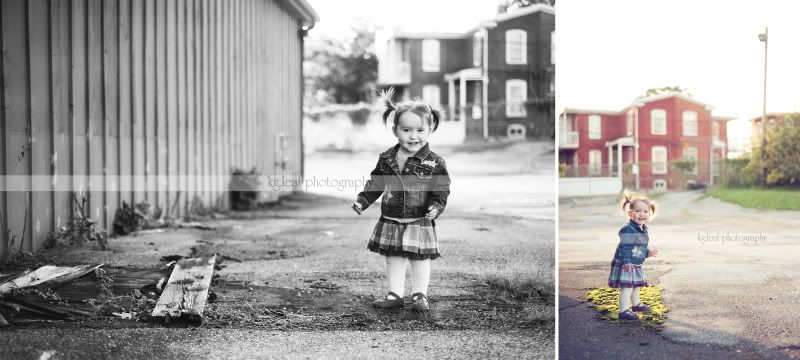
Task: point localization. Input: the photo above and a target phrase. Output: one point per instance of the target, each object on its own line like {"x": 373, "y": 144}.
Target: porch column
{"x": 451, "y": 98}
{"x": 619, "y": 163}
{"x": 462, "y": 98}
{"x": 610, "y": 160}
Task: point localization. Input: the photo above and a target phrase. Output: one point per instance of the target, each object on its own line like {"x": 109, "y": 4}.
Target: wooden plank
{"x": 186, "y": 292}
{"x": 95, "y": 102}
{"x": 17, "y": 154}
{"x": 57, "y": 281}
{"x": 41, "y": 121}
{"x": 171, "y": 118}
{"x": 161, "y": 105}
{"x": 38, "y": 276}
{"x": 111, "y": 121}
{"x": 126, "y": 107}
{"x": 60, "y": 45}
{"x": 150, "y": 89}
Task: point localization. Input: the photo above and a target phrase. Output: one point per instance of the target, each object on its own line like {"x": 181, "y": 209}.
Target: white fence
{"x": 589, "y": 186}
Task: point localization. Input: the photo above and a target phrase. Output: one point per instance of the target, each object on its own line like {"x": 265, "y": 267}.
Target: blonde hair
{"x": 630, "y": 198}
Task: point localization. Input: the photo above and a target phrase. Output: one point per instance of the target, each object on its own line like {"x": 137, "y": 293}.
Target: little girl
{"x": 626, "y": 268}
{"x": 414, "y": 185}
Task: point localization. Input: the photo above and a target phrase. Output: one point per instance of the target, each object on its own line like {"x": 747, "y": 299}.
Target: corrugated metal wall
{"x": 130, "y": 100}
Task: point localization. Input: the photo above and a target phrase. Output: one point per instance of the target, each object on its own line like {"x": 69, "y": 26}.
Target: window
{"x": 689, "y": 123}
{"x": 658, "y": 122}
{"x": 659, "y": 184}
{"x": 552, "y": 47}
{"x": 629, "y": 126}
{"x": 595, "y": 162}
{"x": 594, "y": 127}
{"x": 658, "y": 159}
{"x": 516, "y": 49}
{"x": 715, "y": 130}
{"x": 477, "y": 49}
{"x": 516, "y": 95}
{"x": 430, "y": 95}
{"x": 690, "y": 154}
{"x": 430, "y": 55}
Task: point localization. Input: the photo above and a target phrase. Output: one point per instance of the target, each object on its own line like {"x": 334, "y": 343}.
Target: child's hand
{"x": 357, "y": 208}
{"x": 627, "y": 268}
{"x": 652, "y": 253}
{"x": 433, "y": 211}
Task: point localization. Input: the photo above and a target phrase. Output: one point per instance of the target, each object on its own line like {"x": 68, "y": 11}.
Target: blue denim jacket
{"x": 632, "y": 248}
{"x": 408, "y": 192}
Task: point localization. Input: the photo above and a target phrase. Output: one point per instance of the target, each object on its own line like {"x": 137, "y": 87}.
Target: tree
{"x": 783, "y": 152}
{"x": 504, "y": 5}
{"x": 665, "y": 89}
{"x": 339, "y": 69}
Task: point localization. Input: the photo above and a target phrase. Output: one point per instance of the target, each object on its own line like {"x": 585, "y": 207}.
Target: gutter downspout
{"x": 485, "y": 62}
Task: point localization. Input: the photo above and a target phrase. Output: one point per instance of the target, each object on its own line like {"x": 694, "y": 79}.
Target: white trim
{"x": 590, "y": 111}
{"x": 684, "y": 119}
{"x": 629, "y": 123}
{"x": 594, "y": 132}
{"x": 432, "y": 91}
{"x": 623, "y": 141}
{"x": 428, "y": 35}
{"x": 518, "y": 111}
{"x": 653, "y": 160}
{"x": 432, "y": 53}
{"x": 715, "y": 126}
{"x": 516, "y": 39}
{"x": 653, "y": 121}
{"x": 468, "y": 74}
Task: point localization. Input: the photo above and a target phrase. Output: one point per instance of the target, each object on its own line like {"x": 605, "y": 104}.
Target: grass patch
{"x": 775, "y": 199}
{"x": 606, "y": 301}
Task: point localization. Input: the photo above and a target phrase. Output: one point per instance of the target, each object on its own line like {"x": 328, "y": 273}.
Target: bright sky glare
{"x": 610, "y": 52}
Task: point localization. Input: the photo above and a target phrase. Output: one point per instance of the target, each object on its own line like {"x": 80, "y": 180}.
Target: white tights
{"x": 396, "y": 275}
{"x": 628, "y": 296}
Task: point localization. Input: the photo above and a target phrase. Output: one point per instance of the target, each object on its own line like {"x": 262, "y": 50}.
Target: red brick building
{"x": 677, "y": 136}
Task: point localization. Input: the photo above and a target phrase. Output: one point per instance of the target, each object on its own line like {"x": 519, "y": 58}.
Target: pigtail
{"x": 626, "y": 199}
{"x": 436, "y": 116}
{"x": 385, "y": 97}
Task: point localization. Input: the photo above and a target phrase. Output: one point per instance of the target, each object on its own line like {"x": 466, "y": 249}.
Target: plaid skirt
{"x": 626, "y": 279}
{"x": 415, "y": 240}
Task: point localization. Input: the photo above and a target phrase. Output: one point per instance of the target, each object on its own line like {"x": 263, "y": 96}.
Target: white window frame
{"x": 552, "y": 47}
{"x": 516, "y": 47}
{"x": 516, "y": 107}
{"x": 658, "y": 166}
{"x": 658, "y": 121}
{"x": 629, "y": 123}
{"x": 715, "y": 130}
{"x": 431, "y": 95}
{"x": 477, "y": 49}
{"x": 595, "y": 162}
{"x": 690, "y": 154}
{"x": 659, "y": 184}
{"x": 689, "y": 123}
{"x": 431, "y": 55}
{"x": 595, "y": 128}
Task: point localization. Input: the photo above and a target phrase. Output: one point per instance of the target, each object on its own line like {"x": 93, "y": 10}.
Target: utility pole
{"x": 764, "y": 38}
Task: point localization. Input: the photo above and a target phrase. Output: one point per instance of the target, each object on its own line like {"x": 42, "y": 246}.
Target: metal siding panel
{"x": 150, "y": 99}
{"x": 111, "y": 108}
{"x": 80, "y": 156}
{"x": 61, "y": 89}
{"x": 180, "y": 111}
{"x": 191, "y": 103}
{"x": 95, "y": 130}
{"x": 216, "y": 124}
{"x": 204, "y": 139}
{"x": 138, "y": 78}
{"x": 17, "y": 146}
{"x": 125, "y": 115}
{"x": 41, "y": 121}
{"x": 3, "y": 195}
{"x": 162, "y": 194}
{"x": 172, "y": 102}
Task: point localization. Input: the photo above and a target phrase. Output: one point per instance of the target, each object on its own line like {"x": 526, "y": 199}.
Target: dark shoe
{"x": 628, "y": 315}
{"x": 391, "y": 301}
{"x": 642, "y": 308}
{"x": 420, "y": 302}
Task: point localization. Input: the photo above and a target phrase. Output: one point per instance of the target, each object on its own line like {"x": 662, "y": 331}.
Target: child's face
{"x": 411, "y": 131}
{"x": 639, "y": 212}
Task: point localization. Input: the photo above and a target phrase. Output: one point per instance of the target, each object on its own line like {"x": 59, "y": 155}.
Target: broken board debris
{"x": 186, "y": 292}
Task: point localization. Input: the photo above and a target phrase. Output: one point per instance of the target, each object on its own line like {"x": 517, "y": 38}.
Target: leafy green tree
{"x": 665, "y": 89}
{"x": 341, "y": 70}
{"x": 783, "y": 152}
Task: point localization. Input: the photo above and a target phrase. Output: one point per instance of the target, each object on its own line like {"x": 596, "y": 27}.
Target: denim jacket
{"x": 632, "y": 248}
{"x": 408, "y": 192}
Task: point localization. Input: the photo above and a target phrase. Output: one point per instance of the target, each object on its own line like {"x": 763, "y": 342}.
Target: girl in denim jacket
{"x": 413, "y": 184}
{"x": 626, "y": 268}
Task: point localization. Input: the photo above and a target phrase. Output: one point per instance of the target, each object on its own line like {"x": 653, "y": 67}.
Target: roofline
{"x": 303, "y": 11}
{"x": 591, "y": 111}
{"x": 668, "y": 95}
{"x": 723, "y": 118}
{"x": 783, "y": 114}
{"x": 483, "y": 24}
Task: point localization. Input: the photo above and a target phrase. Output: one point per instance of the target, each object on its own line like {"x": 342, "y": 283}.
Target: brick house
{"x": 492, "y": 80}
{"x": 672, "y": 126}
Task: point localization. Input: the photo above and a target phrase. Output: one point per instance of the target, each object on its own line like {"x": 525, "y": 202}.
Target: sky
{"x": 610, "y": 52}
